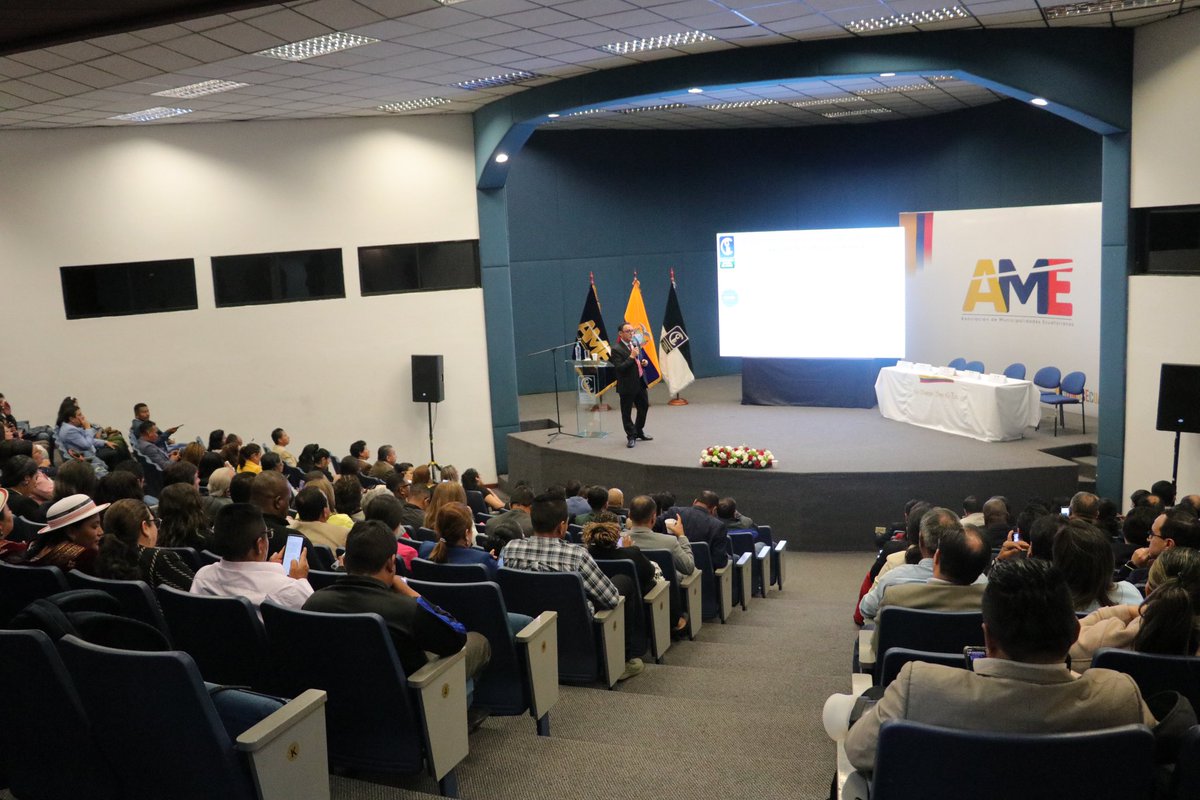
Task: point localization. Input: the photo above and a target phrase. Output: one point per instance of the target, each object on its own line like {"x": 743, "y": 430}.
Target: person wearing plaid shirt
{"x": 546, "y": 551}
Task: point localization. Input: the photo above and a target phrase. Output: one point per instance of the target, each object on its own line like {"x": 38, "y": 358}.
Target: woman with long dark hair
{"x": 128, "y": 550}
{"x": 183, "y": 521}
{"x": 471, "y": 483}
{"x": 1084, "y": 555}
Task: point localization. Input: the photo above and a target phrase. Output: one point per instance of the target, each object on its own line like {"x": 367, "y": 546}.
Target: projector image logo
{"x": 673, "y": 339}
{"x": 725, "y": 246}
{"x": 587, "y": 384}
{"x": 995, "y": 287}
{"x": 729, "y": 297}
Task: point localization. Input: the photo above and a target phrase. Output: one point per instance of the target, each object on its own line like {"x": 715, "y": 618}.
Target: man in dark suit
{"x": 630, "y": 363}
{"x": 700, "y": 524}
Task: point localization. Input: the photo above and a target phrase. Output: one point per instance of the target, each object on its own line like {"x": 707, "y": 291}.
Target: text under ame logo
{"x": 995, "y": 287}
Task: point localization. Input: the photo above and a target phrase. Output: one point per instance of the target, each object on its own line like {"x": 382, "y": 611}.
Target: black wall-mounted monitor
{"x": 1179, "y": 398}
{"x": 140, "y": 287}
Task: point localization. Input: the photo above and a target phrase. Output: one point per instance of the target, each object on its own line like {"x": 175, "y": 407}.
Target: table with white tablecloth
{"x": 985, "y": 407}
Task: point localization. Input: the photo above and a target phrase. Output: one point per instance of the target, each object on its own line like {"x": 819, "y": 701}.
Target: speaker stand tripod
{"x": 433, "y": 465}
{"x": 554, "y": 367}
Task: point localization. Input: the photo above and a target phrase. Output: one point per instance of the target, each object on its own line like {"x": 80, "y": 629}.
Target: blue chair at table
{"x": 238, "y": 655}
{"x": 1115, "y": 762}
{"x": 921, "y": 629}
{"x": 20, "y": 586}
{"x": 1070, "y": 393}
{"x": 591, "y": 647}
{"x": 1154, "y": 673}
{"x": 522, "y": 675}
{"x": 716, "y": 585}
{"x": 136, "y": 598}
{"x": 896, "y": 657}
{"x": 42, "y": 719}
{"x": 974, "y": 366}
{"x": 158, "y": 729}
{"x": 377, "y": 718}
{"x": 1047, "y": 379}
{"x": 1016, "y": 371}
{"x": 425, "y": 570}
{"x": 957, "y": 363}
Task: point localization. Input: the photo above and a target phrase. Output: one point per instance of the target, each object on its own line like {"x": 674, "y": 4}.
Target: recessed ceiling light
{"x": 413, "y": 105}
{"x": 501, "y": 158}
{"x": 1040, "y": 101}
{"x": 316, "y": 46}
{"x": 493, "y": 81}
{"x": 657, "y": 42}
{"x": 887, "y": 74}
{"x": 905, "y": 20}
{"x": 200, "y": 89}
{"x": 827, "y": 101}
{"x": 151, "y": 114}
{"x": 910, "y": 87}
{"x": 1102, "y": 7}
{"x": 695, "y": 90}
{"x": 857, "y": 113}
{"x": 741, "y": 104}
{"x": 664, "y": 107}
{"x": 552, "y": 116}
{"x": 587, "y": 111}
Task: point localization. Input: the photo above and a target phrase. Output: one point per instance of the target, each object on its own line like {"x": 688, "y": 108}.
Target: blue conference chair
{"x": 320, "y": 578}
{"x": 652, "y": 629}
{"x": 1185, "y": 782}
{"x": 522, "y": 675}
{"x": 152, "y": 477}
{"x": 742, "y": 542}
{"x": 974, "y": 366}
{"x": 778, "y": 549}
{"x": 1016, "y": 371}
{"x": 189, "y": 556}
{"x": 20, "y": 586}
{"x": 43, "y": 718}
{"x": 374, "y": 720}
{"x": 716, "y": 585}
{"x": 1154, "y": 673}
{"x": 1116, "y": 762}
{"x": 1070, "y": 394}
{"x": 425, "y": 570}
{"x": 424, "y": 548}
{"x": 688, "y": 587}
{"x": 238, "y": 655}
{"x": 591, "y": 647}
{"x": 136, "y": 598}
{"x": 957, "y": 363}
{"x": 920, "y": 629}
{"x": 896, "y": 657}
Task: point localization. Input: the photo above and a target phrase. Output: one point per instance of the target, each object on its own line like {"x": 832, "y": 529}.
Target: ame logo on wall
{"x": 993, "y": 289}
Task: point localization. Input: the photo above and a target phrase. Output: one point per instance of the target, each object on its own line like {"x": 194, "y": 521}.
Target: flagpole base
{"x": 677, "y": 401}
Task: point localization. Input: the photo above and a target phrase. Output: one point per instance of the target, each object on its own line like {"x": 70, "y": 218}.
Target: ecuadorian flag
{"x": 635, "y": 315}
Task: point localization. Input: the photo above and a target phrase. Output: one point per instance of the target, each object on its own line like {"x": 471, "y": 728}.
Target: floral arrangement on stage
{"x": 741, "y": 457}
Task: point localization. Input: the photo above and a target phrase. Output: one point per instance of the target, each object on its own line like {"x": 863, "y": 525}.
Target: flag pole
{"x": 678, "y": 399}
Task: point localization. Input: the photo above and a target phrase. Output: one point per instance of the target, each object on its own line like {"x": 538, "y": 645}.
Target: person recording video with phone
{"x": 630, "y": 363}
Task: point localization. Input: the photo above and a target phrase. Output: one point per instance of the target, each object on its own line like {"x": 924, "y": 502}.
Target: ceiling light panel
{"x": 741, "y": 104}
{"x": 829, "y": 101}
{"x": 200, "y": 89}
{"x": 151, "y": 114}
{"x": 664, "y": 107}
{"x": 911, "y": 87}
{"x": 907, "y": 20}
{"x": 493, "y": 81}
{"x": 657, "y": 42}
{"x": 856, "y": 113}
{"x": 1104, "y": 7}
{"x": 413, "y": 105}
{"x": 316, "y": 46}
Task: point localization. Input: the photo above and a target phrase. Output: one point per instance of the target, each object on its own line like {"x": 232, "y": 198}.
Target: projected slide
{"x": 812, "y": 294}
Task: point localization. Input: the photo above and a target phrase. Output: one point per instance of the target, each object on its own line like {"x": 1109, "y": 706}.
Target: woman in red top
{"x": 71, "y": 539}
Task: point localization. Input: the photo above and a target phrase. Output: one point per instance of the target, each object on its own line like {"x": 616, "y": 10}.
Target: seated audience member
{"x": 450, "y": 474}
{"x": 1042, "y": 535}
{"x": 181, "y": 472}
{"x": 1135, "y": 533}
{"x": 147, "y": 447}
{"x": 1109, "y": 519}
{"x": 641, "y": 519}
{"x": 1022, "y": 686}
{"x": 405, "y": 468}
{"x": 416, "y": 626}
{"x": 727, "y": 512}
{"x": 472, "y": 483}
{"x": 616, "y": 502}
{"x": 71, "y": 538}
{"x": 904, "y": 551}
{"x": 1084, "y": 506}
{"x": 443, "y": 493}
{"x": 997, "y": 522}
{"x": 546, "y": 551}
{"x": 241, "y": 539}
{"x": 230, "y": 453}
{"x": 1084, "y": 556}
{"x": 218, "y": 492}
{"x": 77, "y": 477}
{"x": 597, "y": 500}
{"x": 933, "y": 525}
{"x": 700, "y": 524}
{"x": 577, "y": 504}
{"x": 388, "y": 510}
{"x": 233, "y": 439}
{"x": 418, "y": 498}
{"x": 9, "y": 550}
{"x": 240, "y": 487}
{"x": 119, "y": 485}
{"x": 314, "y": 457}
{"x": 397, "y": 485}
{"x": 312, "y": 508}
{"x": 361, "y": 456}
{"x": 216, "y": 440}
{"x": 279, "y": 442}
{"x": 193, "y": 453}
{"x": 1136, "y": 497}
{"x": 141, "y": 414}
{"x": 1165, "y": 490}
{"x": 250, "y": 458}
{"x": 972, "y": 513}
{"x": 19, "y": 475}
{"x": 129, "y": 549}
{"x": 183, "y": 523}
{"x": 422, "y": 474}
{"x": 271, "y": 494}
{"x": 957, "y": 583}
{"x": 512, "y": 524}
{"x": 76, "y": 437}
{"x": 43, "y": 488}
{"x": 347, "y": 501}
{"x": 1174, "y": 528}
{"x": 270, "y": 462}
{"x": 386, "y": 465}
{"x": 604, "y": 540}
{"x": 1167, "y": 623}
{"x": 456, "y": 532}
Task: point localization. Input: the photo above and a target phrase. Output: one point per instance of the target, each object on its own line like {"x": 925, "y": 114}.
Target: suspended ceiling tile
{"x": 162, "y": 58}
{"x": 339, "y": 14}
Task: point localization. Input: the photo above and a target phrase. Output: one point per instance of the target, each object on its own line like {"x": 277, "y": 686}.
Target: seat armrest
{"x": 441, "y": 690}
{"x": 866, "y": 650}
{"x": 611, "y": 625}
{"x": 537, "y": 644}
{"x": 723, "y": 582}
{"x": 658, "y": 609}
{"x": 288, "y": 752}
{"x": 693, "y": 602}
{"x": 658, "y": 590}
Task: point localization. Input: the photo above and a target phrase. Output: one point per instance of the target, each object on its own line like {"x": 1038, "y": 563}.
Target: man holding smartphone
{"x": 241, "y": 539}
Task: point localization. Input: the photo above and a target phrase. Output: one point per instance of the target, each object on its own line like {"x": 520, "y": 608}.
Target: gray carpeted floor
{"x": 735, "y": 713}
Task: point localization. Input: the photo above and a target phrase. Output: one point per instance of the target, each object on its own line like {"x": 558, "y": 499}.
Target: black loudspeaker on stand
{"x": 429, "y": 387}
{"x": 1178, "y": 405}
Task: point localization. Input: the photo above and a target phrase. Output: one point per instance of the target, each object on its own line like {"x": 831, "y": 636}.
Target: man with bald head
{"x": 270, "y": 493}
{"x": 996, "y": 521}
{"x": 1084, "y": 506}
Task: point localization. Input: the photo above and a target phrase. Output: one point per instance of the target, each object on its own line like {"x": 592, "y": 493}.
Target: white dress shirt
{"x": 254, "y": 580}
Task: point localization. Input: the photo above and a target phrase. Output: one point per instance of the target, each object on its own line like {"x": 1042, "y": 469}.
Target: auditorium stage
{"x": 840, "y": 472}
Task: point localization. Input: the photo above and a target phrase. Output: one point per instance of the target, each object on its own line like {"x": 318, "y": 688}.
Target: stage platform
{"x": 840, "y": 472}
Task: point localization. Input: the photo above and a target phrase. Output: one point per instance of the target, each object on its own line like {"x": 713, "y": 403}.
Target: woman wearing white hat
{"x": 71, "y": 538}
